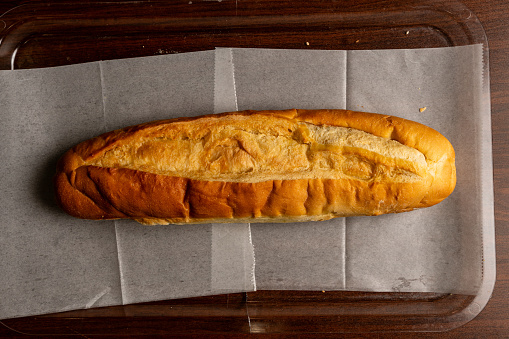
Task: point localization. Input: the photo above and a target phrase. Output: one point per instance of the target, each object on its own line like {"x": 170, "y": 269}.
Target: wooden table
{"x": 227, "y": 312}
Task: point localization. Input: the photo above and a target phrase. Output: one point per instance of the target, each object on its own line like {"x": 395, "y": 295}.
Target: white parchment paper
{"x": 437, "y": 249}
{"x": 52, "y": 262}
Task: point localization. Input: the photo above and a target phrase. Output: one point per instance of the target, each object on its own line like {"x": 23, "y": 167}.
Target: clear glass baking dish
{"x": 49, "y": 34}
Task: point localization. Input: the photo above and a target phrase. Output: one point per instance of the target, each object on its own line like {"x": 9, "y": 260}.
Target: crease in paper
{"x": 233, "y": 257}
{"x": 96, "y": 298}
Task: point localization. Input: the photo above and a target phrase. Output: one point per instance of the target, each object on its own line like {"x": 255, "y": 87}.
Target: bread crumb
{"x": 323, "y": 291}
{"x": 307, "y": 43}
{"x": 356, "y": 41}
{"x": 407, "y": 32}
{"x": 422, "y": 109}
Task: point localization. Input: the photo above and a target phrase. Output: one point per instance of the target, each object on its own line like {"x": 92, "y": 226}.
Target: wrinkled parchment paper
{"x": 433, "y": 250}
{"x": 52, "y": 262}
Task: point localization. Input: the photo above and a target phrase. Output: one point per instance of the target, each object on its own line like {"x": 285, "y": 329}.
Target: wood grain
{"x": 227, "y": 314}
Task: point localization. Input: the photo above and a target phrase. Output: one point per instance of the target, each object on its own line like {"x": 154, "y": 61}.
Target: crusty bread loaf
{"x": 257, "y": 166}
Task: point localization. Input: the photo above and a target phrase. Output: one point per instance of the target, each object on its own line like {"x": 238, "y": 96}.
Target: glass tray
{"x": 37, "y": 35}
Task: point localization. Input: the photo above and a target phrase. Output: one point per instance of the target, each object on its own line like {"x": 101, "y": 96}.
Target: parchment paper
{"x": 52, "y": 262}
{"x": 437, "y": 249}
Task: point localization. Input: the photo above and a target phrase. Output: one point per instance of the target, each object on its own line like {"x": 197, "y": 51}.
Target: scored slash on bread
{"x": 257, "y": 166}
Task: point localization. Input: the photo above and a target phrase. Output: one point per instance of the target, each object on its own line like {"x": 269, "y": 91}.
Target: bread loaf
{"x": 257, "y": 166}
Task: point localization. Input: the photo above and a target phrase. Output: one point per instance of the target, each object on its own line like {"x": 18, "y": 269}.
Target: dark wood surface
{"x": 227, "y": 314}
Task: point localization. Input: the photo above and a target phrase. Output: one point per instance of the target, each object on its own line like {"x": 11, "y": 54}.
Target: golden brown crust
{"x": 85, "y": 189}
{"x": 436, "y": 148}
